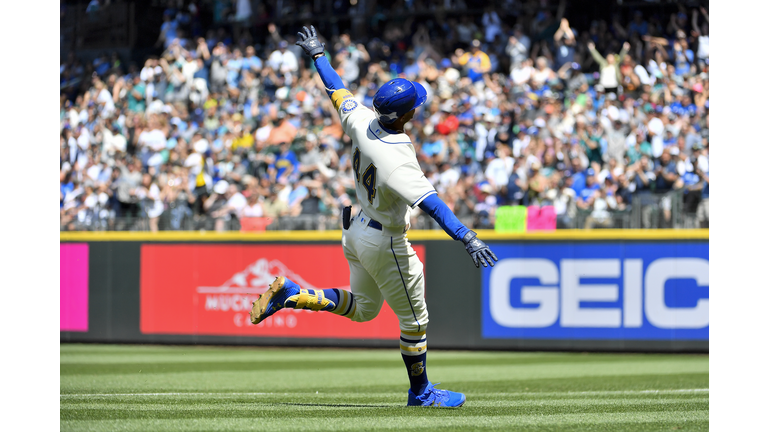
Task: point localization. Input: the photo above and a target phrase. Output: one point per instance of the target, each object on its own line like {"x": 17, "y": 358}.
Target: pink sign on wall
{"x": 74, "y": 287}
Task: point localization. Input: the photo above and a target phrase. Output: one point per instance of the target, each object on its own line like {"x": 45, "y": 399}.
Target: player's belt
{"x": 376, "y": 224}
{"x": 371, "y": 223}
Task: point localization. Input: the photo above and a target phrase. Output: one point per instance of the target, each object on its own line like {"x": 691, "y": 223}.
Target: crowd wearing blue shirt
{"x": 536, "y": 130}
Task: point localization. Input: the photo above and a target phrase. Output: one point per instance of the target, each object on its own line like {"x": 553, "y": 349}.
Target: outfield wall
{"x": 621, "y": 290}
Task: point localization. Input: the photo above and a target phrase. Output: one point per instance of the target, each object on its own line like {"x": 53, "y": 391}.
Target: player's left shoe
{"x": 284, "y": 293}
{"x": 437, "y": 398}
{"x": 273, "y": 299}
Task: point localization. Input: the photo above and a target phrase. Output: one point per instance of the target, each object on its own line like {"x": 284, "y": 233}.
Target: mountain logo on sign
{"x": 255, "y": 279}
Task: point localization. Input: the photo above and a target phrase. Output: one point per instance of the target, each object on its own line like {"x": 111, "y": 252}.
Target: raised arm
{"x": 202, "y": 49}
{"x": 596, "y": 55}
{"x": 623, "y": 52}
{"x": 309, "y": 42}
{"x": 704, "y": 13}
{"x": 655, "y": 40}
{"x": 274, "y": 34}
{"x": 561, "y": 30}
{"x": 620, "y": 30}
{"x": 564, "y": 68}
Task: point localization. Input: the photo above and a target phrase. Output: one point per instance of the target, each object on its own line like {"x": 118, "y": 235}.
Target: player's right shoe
{"x": 273, "y": 299}
{"x": 438, "y": 398}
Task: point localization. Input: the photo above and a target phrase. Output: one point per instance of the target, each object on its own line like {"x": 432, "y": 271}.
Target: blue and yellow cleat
{"x": 273, "y": 299}
{"x": 284, "y": 293}
{"x": 433, "y": 397}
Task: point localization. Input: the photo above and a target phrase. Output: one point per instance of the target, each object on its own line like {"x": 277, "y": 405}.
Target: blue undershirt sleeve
{"x": 440, "y": 212}
{"x": 330, "y": 78}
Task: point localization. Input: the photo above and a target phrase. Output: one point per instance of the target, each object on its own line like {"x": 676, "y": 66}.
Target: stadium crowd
{"x": 218, "y": 130}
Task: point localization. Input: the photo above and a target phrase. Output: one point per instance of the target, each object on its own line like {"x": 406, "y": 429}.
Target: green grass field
{"x": 170, "y": 388}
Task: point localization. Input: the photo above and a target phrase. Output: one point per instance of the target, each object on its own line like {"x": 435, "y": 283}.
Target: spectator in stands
{"x": 274, "y": 205}
{"x": 610, "y": 76}
{"x": 283, "y": 60}
{"x": 537, "y": 183}
{"x": 168, "y": 30}
{"x": 349, "y": 58}
{"x": 136, "y": 90}
{"x": 313, "y": 163}
{"x": 150, "y": 202}
{"x": 517, "y": 47}
{"x": 565, "y": 44}
{"x": 563, "y": 199}
{"x": 177, "y": 199}
{"x": 243, "y": 138}
{"x": 600, "y": 203}
{"x": 465, "y": 30}
{"x": 638, "y": 25}
{"x": 127, "y": 191}
{"x": 702, "y": 34}
{"x": 233, "y": 65}
{"x": 475, "y": 61}
{"x": 254, "y": 206}
{"x": 499, "y": 169}
{"x": 666, "y": 177}
{"x": 587, "y": 195}
{"x": 199, "y": 165}
{"x": 252, "y": 62}
{"x": 491, "y": 24}
{"x": 283, "y": 132}
{"x": 624, "y": 191}
{"x": 231, "y": 207}
{"x": 286, "y": 165}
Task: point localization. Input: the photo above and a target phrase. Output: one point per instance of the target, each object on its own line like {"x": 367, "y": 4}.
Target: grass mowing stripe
{"x": 266, "y": 354}
{"x": 78, "y": 354}
{"x": 327, "y": 413}
{"x": 374, "y": 401}
{"x": 207, "y": 364}
{"x": 238, "y": 394}
{"x": 610, "y": 421}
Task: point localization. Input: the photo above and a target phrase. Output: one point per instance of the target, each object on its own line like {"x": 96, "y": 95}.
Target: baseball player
{"x": 382, "y": 264}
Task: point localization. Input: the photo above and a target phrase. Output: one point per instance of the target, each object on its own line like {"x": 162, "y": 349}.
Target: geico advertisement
{"x": 208, "y": 290}
{"x": 642, "y": 291}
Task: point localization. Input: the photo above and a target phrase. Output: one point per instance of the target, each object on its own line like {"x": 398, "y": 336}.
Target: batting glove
{"x": 309, "y": 42}
{"x": 478, "y": 250}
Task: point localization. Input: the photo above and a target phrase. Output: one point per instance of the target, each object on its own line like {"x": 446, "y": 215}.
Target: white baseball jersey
{"x": 388, "y": 179}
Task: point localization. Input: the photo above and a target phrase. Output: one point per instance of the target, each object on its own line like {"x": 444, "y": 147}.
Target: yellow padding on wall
{"x": 413, "y": 235}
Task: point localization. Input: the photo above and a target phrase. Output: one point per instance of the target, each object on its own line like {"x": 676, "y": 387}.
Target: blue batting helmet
{"x": 396, "y": 98}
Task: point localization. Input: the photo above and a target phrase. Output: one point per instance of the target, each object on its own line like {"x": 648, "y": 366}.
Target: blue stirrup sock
{"x": 413, "y": 348}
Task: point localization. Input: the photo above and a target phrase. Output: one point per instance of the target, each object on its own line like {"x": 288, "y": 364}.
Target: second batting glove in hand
{"x": 478, "y": 250}
{"x": 309, "y": 42}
